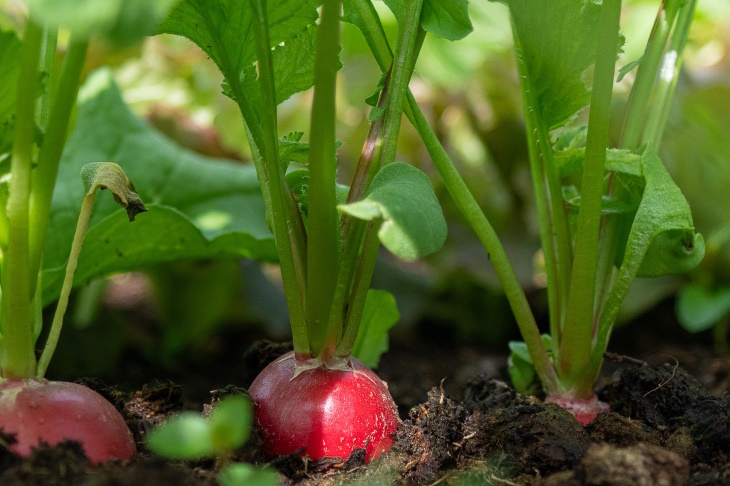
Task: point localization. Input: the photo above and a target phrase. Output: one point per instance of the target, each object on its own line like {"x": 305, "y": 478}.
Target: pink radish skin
{"x": 53, "y": 411}
{"x": 585, "y": 410}
{"x": 327, "y": 412}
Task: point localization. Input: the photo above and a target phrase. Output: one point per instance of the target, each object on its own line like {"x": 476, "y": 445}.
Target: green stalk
{"x": 468, "y": 206}
{"x": 44, "y": 177}
{"x": 410, "y": 39}
{"x": 641, "y": 91}
{"x": 81, "y": 226}
{"x": 638, "y": 103}
{"x": 323, "y": 248}
{"x": 363, "y": 275}
{"x": 17, "y": 358}
{"x": 283, "y": 219}
{"x": 668, "y": 76}
{"x": 353, "y": 229}
{"x": 556, "y": 292}
{"x": 48, "y": 62}
{"x": 576, "y": 345}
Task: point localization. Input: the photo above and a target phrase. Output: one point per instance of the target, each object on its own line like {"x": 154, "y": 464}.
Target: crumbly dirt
{"x": 666, "y": 428}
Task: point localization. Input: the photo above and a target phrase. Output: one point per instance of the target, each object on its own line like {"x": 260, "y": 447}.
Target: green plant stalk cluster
{"x": 327, "y": 279}
{"x": 574, "y": 376}
{"x": 26, "y": 211}
{"x": 576, "y": 343}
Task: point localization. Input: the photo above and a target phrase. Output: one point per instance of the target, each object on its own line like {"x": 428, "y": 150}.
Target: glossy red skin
{"x": 585, "y": 410}
{"x": 327, "y": 412}
{"x": 53, "y": 411}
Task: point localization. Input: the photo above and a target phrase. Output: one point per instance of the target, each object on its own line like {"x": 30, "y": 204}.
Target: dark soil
{"x": 461, "y": 425}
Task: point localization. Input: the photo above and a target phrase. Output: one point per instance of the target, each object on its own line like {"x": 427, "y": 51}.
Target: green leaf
{"x": 521, "y": 370}
{"x": 230, "y": 423}
{"x": 379, "y": 315}
{"x": 10, "y": 62}
{"x": 403, "y": 198}
{"x": 190, "y": 436}
{"x": 557, "y": 43}
{"x": 240, "y": 474}
{"x": 222, "y": 28}
{"x": 293, "y": 150}
{"x": 570, "y": 161}
{"x": 699, "y": 309}
{"x": 448, "y": 19}
{"x": 186, "y": 436}
{"x": 662, "y": 238}
{"x": 298, "y": 182}
{"x": 119, "y": 21}
{"x": 627, "y": 68}
{"x": 198, "y": 207}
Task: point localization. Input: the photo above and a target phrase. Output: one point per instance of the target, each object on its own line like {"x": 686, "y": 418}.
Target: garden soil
{"x": 461, "y": 424}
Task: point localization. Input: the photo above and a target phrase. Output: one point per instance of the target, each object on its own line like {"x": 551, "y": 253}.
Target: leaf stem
{"x": 668, "y": 76}
{"x": 576, "y": 345}
{"x": 49, "y": 157}
{"x": 323, "y": 248}
{"x": 641, "y": 91}
{"x": 353, "y": 230}
{"x": 537, "y": 154}
{"x": 284, "y": 221}
{"x": 410, "y": 39}
{"x": 17, "y": 358}
{"x": 468, "y": 206}
{"x": 82, "y": 225}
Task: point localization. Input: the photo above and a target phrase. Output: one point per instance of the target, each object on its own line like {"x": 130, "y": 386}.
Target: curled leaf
{"x": 402, "y": 197}
{"x": 108, "y": 175}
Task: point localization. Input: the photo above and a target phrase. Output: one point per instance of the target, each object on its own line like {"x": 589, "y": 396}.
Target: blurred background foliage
{"x": 470, "y": 92}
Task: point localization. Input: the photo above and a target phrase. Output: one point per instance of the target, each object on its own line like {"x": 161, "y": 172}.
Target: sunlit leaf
{"x": 557, "y": 43}
{"x": 198, "y": 207}
{"x": 402, "y": 197}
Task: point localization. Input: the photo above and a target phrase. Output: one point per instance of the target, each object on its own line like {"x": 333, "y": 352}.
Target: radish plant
{"x": 319, "y": 400}
{"x": 37, "y": 103}
{"x": 625, "y": 219}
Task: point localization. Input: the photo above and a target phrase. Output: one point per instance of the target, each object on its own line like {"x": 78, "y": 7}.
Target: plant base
{"x": 585, "y": 410}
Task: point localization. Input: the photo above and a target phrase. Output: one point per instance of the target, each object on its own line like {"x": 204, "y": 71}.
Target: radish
{"x": 319, "y": 401}
{"x": 36, "y": 411}
{"x": 33, "y": 409}
{"x": 327, "y": 411}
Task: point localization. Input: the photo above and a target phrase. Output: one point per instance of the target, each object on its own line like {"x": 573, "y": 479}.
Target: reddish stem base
{"x": 585, "y": 410}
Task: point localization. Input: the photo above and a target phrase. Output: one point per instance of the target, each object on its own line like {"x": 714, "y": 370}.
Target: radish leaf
{"x": 379, "y": 315}
{"x": 557, "y": 43}
{"x": 403, "y": 198}
{"x": 223, "y": 29}
{"x": 198, "y": 207}
{"x": 662, "y": 238}
{"x": 699, "y": 309}
{"x": 446, "y": 19}
{"x": 119, "y": 21}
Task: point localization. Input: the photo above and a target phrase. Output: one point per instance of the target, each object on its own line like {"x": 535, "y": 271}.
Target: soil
{"x": 461, "y": 424}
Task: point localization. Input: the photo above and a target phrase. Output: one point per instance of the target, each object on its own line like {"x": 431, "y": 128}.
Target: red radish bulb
{"x": 328, "y": 411}
{"x": 53, "y": 411}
